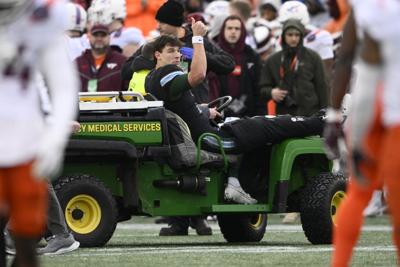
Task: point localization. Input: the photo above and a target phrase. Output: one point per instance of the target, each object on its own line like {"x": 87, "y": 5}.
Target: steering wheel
{"x": 220, "y": 104}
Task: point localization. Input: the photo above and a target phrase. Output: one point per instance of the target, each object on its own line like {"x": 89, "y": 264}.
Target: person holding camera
{"x": 294, "y": 77}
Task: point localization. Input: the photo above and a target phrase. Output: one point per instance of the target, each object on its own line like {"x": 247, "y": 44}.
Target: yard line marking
{"x": 212, "y": 249}
{"x": 280, "y": 228}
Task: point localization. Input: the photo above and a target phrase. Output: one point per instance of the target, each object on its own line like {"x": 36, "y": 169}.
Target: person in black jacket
{"x": 243, "y": 82}
{"x": 170, "y": 19}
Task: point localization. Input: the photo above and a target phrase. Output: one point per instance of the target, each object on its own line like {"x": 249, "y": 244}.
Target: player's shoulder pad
{"x": 320, "y": 36}
{"x": 168, "y": 73}
{"x": 325, "y": 37}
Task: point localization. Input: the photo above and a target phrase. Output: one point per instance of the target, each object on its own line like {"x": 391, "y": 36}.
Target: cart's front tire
{"x": 242, "y": 227}
{"x": 89, "y": 209}
{"x": 321, "y": 199}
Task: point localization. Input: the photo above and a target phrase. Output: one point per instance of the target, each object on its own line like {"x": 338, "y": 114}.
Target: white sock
{"x": 233, "y": 181}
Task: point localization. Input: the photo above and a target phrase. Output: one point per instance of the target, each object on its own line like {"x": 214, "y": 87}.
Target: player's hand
{"x": 75, "y": 126}
{"x": 278, "y": 94}
{"x": 214, "y": 113}
{"x": 198, "y": 28}
{"x": 49, "y": 156}
{"x": 333, "y": 133}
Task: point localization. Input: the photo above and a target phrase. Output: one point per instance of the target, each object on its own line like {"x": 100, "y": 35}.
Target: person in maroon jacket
{"x": 100, "y": 67}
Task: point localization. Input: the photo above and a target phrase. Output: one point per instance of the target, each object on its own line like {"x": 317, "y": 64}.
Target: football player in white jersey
{"x": 31, "y": 149}
{"x": 316, "y": 39}
{"x": 374, "y": 152}
{"x": 76, "y": 25}
{"x": 113, "y": 13}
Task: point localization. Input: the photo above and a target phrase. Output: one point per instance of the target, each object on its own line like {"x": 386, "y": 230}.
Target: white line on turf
{"x": 220, "y": 249}
{"x": 280, "y": 228}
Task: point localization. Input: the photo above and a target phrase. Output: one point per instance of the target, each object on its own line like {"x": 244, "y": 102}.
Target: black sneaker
{"x": 200, "y": 225}
{"x": 173, "y": 230}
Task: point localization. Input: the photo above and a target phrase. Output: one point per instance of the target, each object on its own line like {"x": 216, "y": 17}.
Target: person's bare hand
{"x": 198, "y": 28}
{"x": 278, "y": 94}
{"x": 214, "y": 113}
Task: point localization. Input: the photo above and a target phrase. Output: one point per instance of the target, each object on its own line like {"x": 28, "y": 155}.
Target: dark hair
{"x": 233, "y": 17}
{"x": 268, "y": 6}
{"x": 148, "y": 51}
{"x": 162, "y": 41}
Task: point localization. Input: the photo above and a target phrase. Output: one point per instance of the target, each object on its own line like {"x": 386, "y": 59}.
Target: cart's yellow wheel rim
{"x": 337, "y": 199}
{"x": 83, "y": 214}
{"x": 256, "y": 221}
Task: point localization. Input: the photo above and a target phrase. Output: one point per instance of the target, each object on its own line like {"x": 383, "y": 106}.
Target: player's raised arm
{"x": 199, "y": 62}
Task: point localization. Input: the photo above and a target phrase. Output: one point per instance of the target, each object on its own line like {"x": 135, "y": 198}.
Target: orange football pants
{"x": 24, "y": 200}
{"x": 382, "y": 147}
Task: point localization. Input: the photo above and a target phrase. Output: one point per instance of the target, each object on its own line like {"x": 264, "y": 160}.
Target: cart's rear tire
{"x": 89, "y": 209}
{"x": 321, "y": 199}
{"x": 242, "y": 227}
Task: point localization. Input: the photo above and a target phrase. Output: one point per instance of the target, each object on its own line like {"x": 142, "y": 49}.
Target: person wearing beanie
{"x": 170, "y": 19}
{"x": 294, "y": 77}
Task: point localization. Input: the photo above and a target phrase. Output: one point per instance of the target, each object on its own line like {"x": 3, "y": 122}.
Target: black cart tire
{"x": 242, "y": 227}
{"x": 321, "y": 199}
{"x": 89, "y": 209}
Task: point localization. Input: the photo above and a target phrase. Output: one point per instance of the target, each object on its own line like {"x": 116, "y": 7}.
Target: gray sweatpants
{"x": 55, "y": 218}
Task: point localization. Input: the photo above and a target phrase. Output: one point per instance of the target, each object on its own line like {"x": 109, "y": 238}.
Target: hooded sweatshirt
{"x": 242, "y": 82}
{"x": 298, "y": 70}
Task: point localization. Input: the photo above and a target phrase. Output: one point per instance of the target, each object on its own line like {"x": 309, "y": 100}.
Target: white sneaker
{"x": 376, "y": 206}
{"x": 234, "y": 192}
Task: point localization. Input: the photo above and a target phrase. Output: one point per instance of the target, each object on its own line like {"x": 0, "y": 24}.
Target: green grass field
{"x": 136, "y": 243}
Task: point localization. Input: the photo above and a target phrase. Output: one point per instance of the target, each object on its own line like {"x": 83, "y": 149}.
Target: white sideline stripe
{"x": 212, "y": 249}
{"x": 281, "y": 228}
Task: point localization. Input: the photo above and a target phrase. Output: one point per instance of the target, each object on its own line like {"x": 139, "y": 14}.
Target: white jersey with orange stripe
{"x": 31, "y": 44}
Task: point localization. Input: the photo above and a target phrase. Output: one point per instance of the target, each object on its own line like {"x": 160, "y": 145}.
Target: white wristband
{"x": 334, "y": 115}
{"x": 197, "y": 40}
